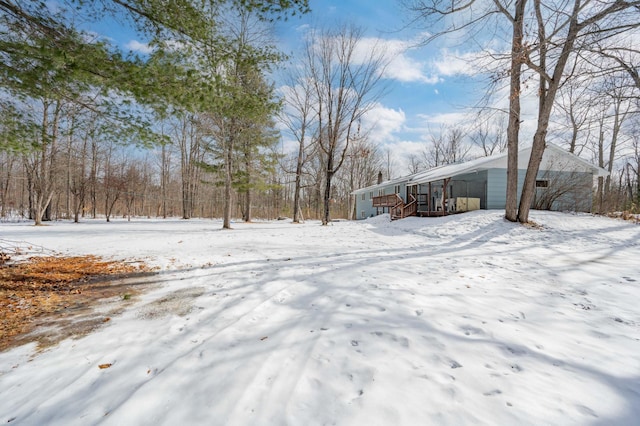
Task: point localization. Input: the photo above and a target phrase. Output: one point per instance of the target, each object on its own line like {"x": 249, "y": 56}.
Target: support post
{"x": 429, "y": 201}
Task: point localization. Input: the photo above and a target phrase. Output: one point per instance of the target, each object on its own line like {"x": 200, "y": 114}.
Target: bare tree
{"x": 490, "y": 137}
{"x": 41, "y": 165}
{"x": 618, "y": 57}
{"x": 298, "y": 115}
{"x": 78, "y": 179}
{"x": 565, "y": 189}
{"x": 633, "y": 170}
{"x": 613, "y": 110}
{"x": 346, "y": 84}
{"x": 94, "y": 170}
{"x": 576, "y": 100}
{"x": 113, "y": 181}
{"x": 568, "y": 30}
{"x": 190, "y": 140}
{"x": 447, "y": 146}
{"x": 7, "y": 163}
{"x": 362, "y": 164}
{"x": 415, "y": 164}
{"x": 432, "y": 154}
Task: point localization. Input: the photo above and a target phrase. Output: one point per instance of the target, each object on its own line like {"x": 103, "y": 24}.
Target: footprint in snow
{"x": 515, "y": 351}
{"x": 469, "y": 330}
{"x": 586, "y": 411}
{"x": 403, "y": 341}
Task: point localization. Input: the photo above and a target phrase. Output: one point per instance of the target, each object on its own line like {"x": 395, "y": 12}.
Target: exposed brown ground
{"x": 47, "y": 299}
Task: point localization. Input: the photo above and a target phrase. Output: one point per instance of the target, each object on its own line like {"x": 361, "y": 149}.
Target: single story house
{"x": 564, "y": 183}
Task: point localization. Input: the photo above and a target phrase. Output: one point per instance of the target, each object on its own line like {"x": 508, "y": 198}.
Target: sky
{"x": 460, "y": 320}
{"x": 426, "y": 86}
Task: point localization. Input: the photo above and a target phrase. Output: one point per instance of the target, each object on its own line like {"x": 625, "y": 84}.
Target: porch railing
{"x": 390, "y": 200}
{"x": 402, "y": 210}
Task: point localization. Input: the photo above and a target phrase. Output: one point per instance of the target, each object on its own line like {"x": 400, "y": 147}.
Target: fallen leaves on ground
{"x": 49, "y": 286}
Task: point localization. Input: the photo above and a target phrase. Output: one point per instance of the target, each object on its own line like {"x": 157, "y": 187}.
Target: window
{"x": 362, "y": 214}
{"x": 371, "y": 195}
{"x": 542, "y": 184}
{"x": 380, "y": 192}
{"x": 363, "y": 196}
{"x": 396, "y": 189}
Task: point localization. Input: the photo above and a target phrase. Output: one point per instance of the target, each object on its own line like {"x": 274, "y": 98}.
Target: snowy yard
{"x": 466, "y": 319}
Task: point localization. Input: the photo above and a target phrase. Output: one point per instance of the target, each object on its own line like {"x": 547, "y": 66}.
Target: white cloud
{"x": 401, "y": 152}
{"x": 304, "y": 28}
{"x": 383, "y": 122}
{"x": 407, "y": 70}
{"x": 401, "y": 66}
{"x": 455, "y": 63}
{"x": 450, "y": 64}
{"x": 399, "y": 54}
{"x": 136, "y": 46}
{"x": 432, "y": 123}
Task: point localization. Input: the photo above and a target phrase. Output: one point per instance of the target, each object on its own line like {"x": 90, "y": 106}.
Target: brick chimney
{"x": 379, "y": 177}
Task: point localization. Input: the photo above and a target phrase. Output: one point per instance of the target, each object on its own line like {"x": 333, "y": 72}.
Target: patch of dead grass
{"x": 43, "y": 291}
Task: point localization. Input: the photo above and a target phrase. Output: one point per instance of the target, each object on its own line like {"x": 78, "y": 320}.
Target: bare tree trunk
{"x": 164, "y": 180}
{"x": 247, "y": 206}
{"x": 296, "y": 191}
{"x": 79, "y": 183}
{"x": 600, "y": 189}
{"x": 190, "y": 157}
{"x": 547, "y": 99}
{"x": 327, "y": 191}
{"x": 44, "y": 176}
{"x": 4, "y": 187}
{"x": 246, "y": 211}
{"x": 619, "y": 117}
{"x": 513, "y": 128}
{"x": 69, "y": 172}
{"x": 93, "y": 179}
{"x": 228, "y": 175}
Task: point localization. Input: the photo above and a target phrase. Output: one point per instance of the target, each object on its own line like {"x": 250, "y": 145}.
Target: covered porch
{"x": 449, "y": 195}
{"x": 440, "y": 197}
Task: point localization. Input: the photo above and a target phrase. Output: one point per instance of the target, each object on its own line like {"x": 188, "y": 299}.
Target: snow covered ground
{"x": 466, "y": 319}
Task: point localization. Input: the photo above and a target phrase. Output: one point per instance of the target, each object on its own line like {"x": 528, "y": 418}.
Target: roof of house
{"x": 386, "y": 183}
{"x": 498, "y": 161}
